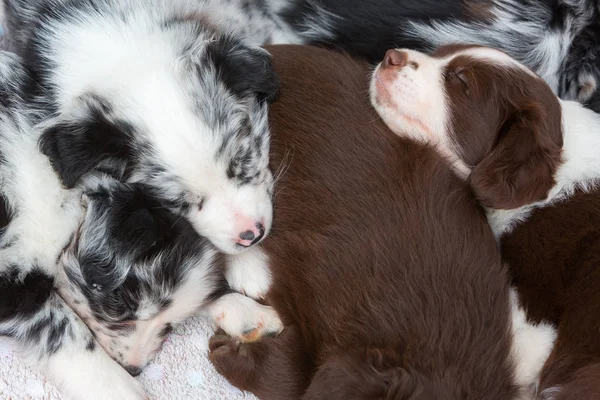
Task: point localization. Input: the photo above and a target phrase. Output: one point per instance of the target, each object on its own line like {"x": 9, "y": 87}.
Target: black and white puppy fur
{"x": 558, "y": 39}
{"x": 104, "y": 255}
{"x": 173, "y": 94}
{"x": 168, "y": 93}
{"x": 136, "y": 269}
{"x": 39, "y": 218}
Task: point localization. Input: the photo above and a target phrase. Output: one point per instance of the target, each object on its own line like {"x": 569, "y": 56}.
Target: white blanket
{"x": 180, "y": 371}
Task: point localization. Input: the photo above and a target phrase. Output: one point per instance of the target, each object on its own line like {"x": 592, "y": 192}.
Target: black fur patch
{"x": 23, "y": 297}
{"x": 140, "y": 231}
{"x": 245, "y": 70}
{"x": 369, "y": 28}
{"x": 584, "y": 58}
{"x": 77, "y": 147}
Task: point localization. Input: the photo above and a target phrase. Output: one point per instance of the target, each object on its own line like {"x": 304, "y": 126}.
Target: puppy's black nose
{"x": 133, "y": 370}
{"x": 248, "y": 235}
{"x": 395, "y": 58}
{"x": 251, "y": 237}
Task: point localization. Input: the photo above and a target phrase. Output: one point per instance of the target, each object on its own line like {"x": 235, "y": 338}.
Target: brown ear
{"x": 520, "y": 168}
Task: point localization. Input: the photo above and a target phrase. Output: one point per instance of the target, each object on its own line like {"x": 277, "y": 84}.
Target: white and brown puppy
{"x": 527, "y": 155}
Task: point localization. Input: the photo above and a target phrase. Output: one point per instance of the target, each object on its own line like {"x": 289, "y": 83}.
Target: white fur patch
{"x": 580, "y": 169}
{"x": 249, "y": 273}
{"x": 532, "y": 344}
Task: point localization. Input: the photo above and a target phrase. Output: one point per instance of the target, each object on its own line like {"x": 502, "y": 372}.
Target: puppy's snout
{"x": 133, "y": 370}
{"x": 251, "y": 236}
{"x": 395, "y": 58}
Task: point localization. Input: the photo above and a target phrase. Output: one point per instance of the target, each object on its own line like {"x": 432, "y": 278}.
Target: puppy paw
{"x": 249, "y": 273}
{"x": 265, "y": 324}
{"x": 245, "y": 319}
{"x": 232, "y": 359}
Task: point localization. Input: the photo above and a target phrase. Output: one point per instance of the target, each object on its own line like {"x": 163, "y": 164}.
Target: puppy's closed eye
{"x": 458, "y": 76}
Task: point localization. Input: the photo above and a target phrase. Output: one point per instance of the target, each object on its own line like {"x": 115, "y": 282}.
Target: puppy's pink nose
{"x": 251, "y": 236}
{"x": 395, "y": 58}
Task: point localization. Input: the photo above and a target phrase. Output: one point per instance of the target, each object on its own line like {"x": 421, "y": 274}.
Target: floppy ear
{"x": 246, "y": 70}
{"x": 78, "y": 145}
{"x": 520, "y": 168}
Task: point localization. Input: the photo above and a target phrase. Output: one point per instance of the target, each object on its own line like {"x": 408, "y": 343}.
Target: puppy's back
{"x": 380, "y": 255}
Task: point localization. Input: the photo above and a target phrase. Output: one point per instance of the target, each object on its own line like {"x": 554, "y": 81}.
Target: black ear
{"x": 246, "y": 70}
{"x": 79, "y": 145}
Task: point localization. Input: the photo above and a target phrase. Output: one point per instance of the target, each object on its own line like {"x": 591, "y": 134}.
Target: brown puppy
{"x": 534, "y": 161}
{"x": 554, "y": 259}
{"x": 384, "y": 268}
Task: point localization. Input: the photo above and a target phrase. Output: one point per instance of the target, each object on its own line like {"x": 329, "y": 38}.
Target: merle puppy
{"x": 39, "y": 218}
{"x": 160, "y": 92}
{"x": 130, "y": 268}
{"x": 555, "y": 38}
{"x": 168, "y": 93}
{"x": 135, "y": 269}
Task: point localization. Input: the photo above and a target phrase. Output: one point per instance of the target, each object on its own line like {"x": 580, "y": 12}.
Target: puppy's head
{"x": 189, "y": 120}
{"x": 135, "y": 270}
{"x": 498, "y": 122}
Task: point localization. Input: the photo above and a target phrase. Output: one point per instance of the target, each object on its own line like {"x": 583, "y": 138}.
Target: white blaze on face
{"x": 230, "y": 210}
{"x": 408, "y": 90}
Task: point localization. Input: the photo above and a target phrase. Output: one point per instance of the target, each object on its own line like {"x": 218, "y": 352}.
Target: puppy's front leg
{"x": 53, "y": 339}
{"x": 249, "y": 273}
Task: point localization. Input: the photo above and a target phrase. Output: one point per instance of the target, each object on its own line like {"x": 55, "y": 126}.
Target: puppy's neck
{"x": 581, "y": 150}
{"x": 580, "y": 169}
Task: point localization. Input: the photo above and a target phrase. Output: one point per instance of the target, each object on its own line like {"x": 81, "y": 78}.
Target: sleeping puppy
{"x": 135, "y": 270}
{"x": 385, "y": 271}
{"x": 159, "y": 92}
{"x": 166, "y": 93}
{"x": 107, "y": 256}
{"x": 532, "y": 160}
{"x": 555, "y": 38}
{"x": 39, "y": 219}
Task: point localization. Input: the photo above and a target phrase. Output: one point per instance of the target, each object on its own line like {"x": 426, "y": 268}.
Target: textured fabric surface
{"x": 181, "y": 370}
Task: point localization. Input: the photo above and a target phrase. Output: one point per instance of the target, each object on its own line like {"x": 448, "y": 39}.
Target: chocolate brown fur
{"x": 554, "y": 259}
{"x": 385, "y": 270}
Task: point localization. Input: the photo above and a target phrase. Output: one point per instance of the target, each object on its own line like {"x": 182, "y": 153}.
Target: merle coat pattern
{"x": 99, "y": 272}
{"x": 555, "y": 38}
{"x": 170, "y": 94}
{"x": 39, "y": 219}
